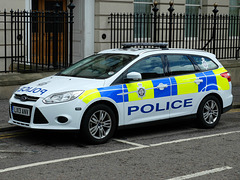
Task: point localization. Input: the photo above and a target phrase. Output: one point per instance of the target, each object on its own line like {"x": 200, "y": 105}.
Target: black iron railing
{"x": 218, "y": 34}
{"x": 35, "y": 41}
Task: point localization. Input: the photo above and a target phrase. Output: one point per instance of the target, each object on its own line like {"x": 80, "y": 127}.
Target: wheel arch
{"x": 105, "y": 102}
{"x": 217, "y": 96}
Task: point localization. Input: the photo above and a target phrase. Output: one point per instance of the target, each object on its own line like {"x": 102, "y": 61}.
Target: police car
{"x": 126, "y": 86}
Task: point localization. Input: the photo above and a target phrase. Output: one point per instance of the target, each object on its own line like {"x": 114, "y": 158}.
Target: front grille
{"x": 21, "y": 118}
{"x": 24, "y": 97}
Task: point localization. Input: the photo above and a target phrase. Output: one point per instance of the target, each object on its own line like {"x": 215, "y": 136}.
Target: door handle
{"x": 162, "y": 86}
{"x": 198, "y": 81}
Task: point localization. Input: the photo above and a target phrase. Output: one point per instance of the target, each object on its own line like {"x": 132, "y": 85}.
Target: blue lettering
{"x": 29, "y": 89}
{"x": 43, "y": 91}
{"x": 132, "y": 109}
{"x": 167, "y": 107}
{"x": 21, "y": 89}
{"x": 157, "y": 108}
{"x": 188, "y": 102}
{"x": 36, "y": 90}
{"x": 148, "y": 110}
{"x": 33, "y": 90}
{"x": 174, "y": 102}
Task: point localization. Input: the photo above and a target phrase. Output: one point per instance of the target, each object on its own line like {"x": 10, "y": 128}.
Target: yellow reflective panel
{"x": 90, "y": 95}
{"x": 186, "y": 84}
{"x": 133, "y": 89}
{"x": 222, "y": 82}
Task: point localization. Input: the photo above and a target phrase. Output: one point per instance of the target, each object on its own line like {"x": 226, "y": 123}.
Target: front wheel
{"x": 209, "y": 112}
{"x": 98, "y": 124}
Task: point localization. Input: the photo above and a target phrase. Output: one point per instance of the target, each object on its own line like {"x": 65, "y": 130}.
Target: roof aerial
{"x": 129, "y": 45}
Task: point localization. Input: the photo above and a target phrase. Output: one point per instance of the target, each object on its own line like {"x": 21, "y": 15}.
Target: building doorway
{"x": 49, "y": 32}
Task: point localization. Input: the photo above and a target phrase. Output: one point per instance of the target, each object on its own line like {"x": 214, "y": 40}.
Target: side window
{"x": 179, "y": 64}
{"x": 150, "y": 67}
{"x": 204, "y": 63}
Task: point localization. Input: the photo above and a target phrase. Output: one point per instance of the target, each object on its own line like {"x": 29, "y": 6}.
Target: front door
{"x": 147, "y": 100}
{"x": 49, "y": 32}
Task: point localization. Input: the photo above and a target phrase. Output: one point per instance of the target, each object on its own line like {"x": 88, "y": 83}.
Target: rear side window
{"x": 204, "y": 63}
{"x": 179, "y": 64}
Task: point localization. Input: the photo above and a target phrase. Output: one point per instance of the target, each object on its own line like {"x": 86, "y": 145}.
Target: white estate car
{"x": 127, "y": 86}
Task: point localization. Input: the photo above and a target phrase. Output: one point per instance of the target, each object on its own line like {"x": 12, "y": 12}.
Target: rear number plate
{"x": 21, "y": 111}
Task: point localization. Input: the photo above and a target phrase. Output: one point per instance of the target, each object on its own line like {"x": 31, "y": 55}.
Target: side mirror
{"x": 134, "y": 76}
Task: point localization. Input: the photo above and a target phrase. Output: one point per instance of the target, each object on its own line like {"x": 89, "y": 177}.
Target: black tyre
{"x": 209, "y": 112}
{"x": 98, "y": 124}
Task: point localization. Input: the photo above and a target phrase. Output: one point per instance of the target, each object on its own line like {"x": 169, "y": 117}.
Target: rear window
{"x": 204, "y": 63}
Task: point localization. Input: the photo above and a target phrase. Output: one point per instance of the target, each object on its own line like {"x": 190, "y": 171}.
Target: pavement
{"x": 4, "y": 110}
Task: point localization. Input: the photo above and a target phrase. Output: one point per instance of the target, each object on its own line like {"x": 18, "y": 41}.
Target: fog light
{"x": 62, "y": 119}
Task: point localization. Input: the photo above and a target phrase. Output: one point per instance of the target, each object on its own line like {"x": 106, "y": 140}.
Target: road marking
{"x": 203, "y": 173}
{"x": 234, "y": 110}
{"x": 6, "y": 137}
{"x": 112, "y": 152}
{"x": 67, "y": 159}
{"x": 131, "y": 143}
{"x": 16, "y": 134}
{"x": 9, "y": 151}
{"x": 193, "y": 138}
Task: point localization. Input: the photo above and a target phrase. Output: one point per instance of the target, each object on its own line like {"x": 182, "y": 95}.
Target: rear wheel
{"x": 209, "y": 112}
{"x": 98, "y": 124}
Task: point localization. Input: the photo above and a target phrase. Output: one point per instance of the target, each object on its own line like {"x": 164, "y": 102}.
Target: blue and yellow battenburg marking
{"x": 178, "y": 85}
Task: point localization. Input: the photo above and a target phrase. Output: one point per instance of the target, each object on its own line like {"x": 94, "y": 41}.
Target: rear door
{"x": 187, "y": 82}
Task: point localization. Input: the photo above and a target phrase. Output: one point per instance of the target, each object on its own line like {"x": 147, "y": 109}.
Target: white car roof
{"x": 142, "y": 51}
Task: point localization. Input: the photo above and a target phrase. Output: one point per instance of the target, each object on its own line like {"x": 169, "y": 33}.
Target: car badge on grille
{"x": 23, "y": 98}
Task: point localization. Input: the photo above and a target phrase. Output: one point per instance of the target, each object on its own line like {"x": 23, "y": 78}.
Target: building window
{"x": 234, "y": 11}
{"x": 193, "y": 8}
{"x": 142, "y": 22}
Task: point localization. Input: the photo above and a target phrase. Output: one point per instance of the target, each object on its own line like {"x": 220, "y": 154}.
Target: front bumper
{"x": 59, "y": 116}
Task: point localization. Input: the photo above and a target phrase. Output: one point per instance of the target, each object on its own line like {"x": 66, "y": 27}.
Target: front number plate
{"x": 21, "y": 111}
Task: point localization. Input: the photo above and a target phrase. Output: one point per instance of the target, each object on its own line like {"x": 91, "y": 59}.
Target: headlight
{"x": 62, "y": 97}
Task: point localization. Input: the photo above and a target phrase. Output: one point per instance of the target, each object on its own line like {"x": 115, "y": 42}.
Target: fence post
{"x": 155, "y": 10}
{"x": 55, "y": 35}
{"x": 11, "y": 40}
{"x": 170, "y": 9}
{"x": 215, "y": 11}
{"x": 5, "y": 40}
{"x": 71, "y": 6}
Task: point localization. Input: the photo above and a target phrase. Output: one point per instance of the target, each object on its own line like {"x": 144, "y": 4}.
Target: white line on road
{"x": 67, "y": 159}
{"x": 194, "y": 138}
{"x": 139, "y": 146}
{"x": 131, "y": 143}
{"x": 203, "y": 173}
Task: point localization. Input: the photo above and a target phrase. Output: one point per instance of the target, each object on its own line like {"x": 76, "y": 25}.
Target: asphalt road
{"x": 167, "y": 151}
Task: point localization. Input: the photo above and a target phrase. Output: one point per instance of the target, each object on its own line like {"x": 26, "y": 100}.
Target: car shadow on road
{"x": 56, "y": 138}
{"x": 156, "y": 128}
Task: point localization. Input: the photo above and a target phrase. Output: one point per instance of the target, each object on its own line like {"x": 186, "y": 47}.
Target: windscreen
{"x": 99, "y": 66}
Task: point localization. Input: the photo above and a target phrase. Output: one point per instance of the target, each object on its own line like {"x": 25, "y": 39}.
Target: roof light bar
{"x": 129, "y": 45}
